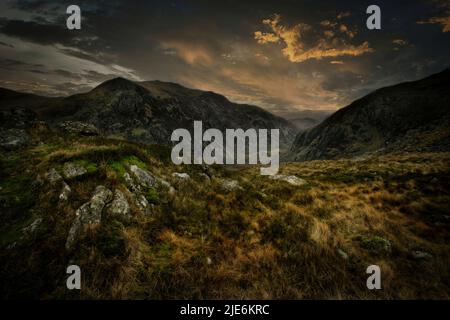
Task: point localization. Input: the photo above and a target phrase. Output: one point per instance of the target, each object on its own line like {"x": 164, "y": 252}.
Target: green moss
{"x": 134, "y": 160}
{"x": 118, "y": 167}
{"x": 152, "y": 196}
{"x": 90, "y": 166}
{"x": 376, "y": 244}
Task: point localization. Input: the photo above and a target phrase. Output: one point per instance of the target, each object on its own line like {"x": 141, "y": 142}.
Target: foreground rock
{"x": 53, "y": 176}
{"x": 72, "y": 170}
{"x": 230, "y": 185}
{"x": 77, "y": 127}
{"x": 89, "y": 214}
{"x": 13, "y": 139}
{"x": 119, "y": 205}
{"x": 181, "y": 176}
{"x": 139, "y": 181}
{"x": 293, "y": 180}
{"x": 65, "y": 192}
{"x": 143, "y": 177}
{"x": 421, "y": 255}
{"x": 32, "y": 227}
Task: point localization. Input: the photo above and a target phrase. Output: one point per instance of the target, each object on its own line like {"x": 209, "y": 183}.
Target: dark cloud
{"x": 6, "y": 44}
{"x": 12, "y": 63}
{"x": 36, "y": 32}
{"x": 211, "y": 45}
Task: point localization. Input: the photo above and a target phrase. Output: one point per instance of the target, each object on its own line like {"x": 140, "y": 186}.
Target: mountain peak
{"x": 118, "y": 83}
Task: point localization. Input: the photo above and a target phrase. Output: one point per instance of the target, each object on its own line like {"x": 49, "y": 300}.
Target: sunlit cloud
{"x": 400, "y": 42}
{"x": 190, "y": 53}
{"x": 443, "y": 21}
{"x": 296, "y": 50}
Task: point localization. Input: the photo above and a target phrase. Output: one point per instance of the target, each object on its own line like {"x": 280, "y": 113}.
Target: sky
{"x": 285, "y": 56}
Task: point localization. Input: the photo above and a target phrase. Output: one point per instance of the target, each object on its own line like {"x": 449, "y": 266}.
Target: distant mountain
{"x": 306, "y": 119}
{"x": 147, "y": 111}
{"x": 412, "y": 116}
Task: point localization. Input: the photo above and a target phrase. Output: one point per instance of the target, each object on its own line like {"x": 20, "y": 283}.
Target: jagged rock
{"x": 139, "y": 199}
{"x": 89, "y": 214}
{"x": 181, "y": 175}
{"x": 343, "y": 254}
{"x": 293, "y": 180}
{"x": 164, "y": 183}
{"x": 230, "y": 185}
{"x": 130, "y": 182}
{"x": 65, "y": 192}
{"x": 421, "y": 255}
{"x": 72, "y": 170}
{"x": 143, "y": 177}
{"x": 16, "y": 117}
{"x": 13, "y": 139}
{"x": 205, "y": 177}
{"x": 53, "y": 176}
{"x": 119, "y": 205}
{"x": 142, "y": 203}
{"x": 32, "y": 227}
{"x": 139, "y": 179}
{"x": 100, "y": 198}
{"x": 77, "y": 127}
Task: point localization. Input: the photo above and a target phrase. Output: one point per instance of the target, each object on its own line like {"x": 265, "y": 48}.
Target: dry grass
{"x": 270, "y": 240}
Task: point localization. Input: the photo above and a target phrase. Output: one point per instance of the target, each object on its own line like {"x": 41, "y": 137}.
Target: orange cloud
{"x": 400, "y": 42}
{"x": 297, "y": 51}
{"x": 343, "y": 15}
{"x": 266, "y": 37}
{"x": 444, "y": 21}
{"x": 191, "y": 53}
{"x": 344, "y": 29}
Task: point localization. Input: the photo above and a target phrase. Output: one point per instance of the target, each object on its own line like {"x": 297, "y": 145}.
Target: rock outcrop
{"x": 230, "y": 185}
{"x": 89, "y": 214}
{"x": 78, "y": 127}
{"x": 293, "y": 180}
{"x": 72, "y": 170}
{"x": 13, "y": 139}
{"x": 119, "y": 205}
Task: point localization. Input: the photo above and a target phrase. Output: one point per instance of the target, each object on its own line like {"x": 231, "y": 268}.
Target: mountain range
{"x": 148, "y": 111}
{"x": 411, "y": 116}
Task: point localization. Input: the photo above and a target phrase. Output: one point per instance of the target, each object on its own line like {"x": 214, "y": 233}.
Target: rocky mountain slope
{"x": 412, "y": 116}
{"x": 146, "y": 112}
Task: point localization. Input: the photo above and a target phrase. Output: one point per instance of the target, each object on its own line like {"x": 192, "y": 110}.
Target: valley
{"x": 82, "y": 182}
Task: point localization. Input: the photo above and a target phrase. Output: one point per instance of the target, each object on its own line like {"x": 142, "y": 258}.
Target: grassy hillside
{"x": 263, "y": 238}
